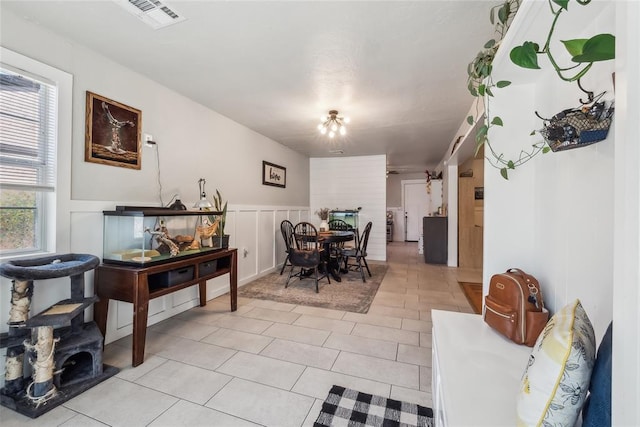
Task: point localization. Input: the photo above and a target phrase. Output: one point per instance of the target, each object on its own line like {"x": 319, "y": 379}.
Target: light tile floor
{"x": 271, "y": 363}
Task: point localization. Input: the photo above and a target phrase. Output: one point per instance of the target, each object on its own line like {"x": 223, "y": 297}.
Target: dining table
{"x": 329, "y": 239}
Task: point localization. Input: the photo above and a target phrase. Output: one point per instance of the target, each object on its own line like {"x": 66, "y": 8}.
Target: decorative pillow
{"x": 556, "y": 380}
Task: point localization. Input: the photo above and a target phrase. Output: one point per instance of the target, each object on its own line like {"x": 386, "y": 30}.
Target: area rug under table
{"x": 346, "y": 407}
{"x": 351, "y": 294}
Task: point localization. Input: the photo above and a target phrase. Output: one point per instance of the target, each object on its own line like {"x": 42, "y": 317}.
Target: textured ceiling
{"x": 396, "y": 68}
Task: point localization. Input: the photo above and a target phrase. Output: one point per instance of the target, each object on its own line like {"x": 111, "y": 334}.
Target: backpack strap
{"x": 534, "y": 291}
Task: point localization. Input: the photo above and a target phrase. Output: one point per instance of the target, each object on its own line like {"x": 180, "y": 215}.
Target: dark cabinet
{"x": 435, "y": 239}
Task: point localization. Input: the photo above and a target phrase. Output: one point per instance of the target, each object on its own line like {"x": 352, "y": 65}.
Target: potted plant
{"x": 220, "y": 239}
{"x": 323, "y": 214}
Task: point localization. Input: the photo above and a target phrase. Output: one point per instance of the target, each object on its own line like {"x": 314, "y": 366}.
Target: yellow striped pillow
{"x": 555, "y": 382}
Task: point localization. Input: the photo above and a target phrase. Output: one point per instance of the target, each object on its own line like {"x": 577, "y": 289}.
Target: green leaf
{"x": 482, "y": 132}
{"x": 601, "y": 47}
{"x": 491, "y": 43}
{"x": 545, "y": 150}
{"x": 481, "y": 89}
{"x": 510, "y": 164}
{"x": 470, "y": 120}
{"x": 562, "y": 3}
{"x": 504, "y": 174}
{"x": 503, "y": 13}
{"x": 525, "y": 56}
{"x": 503, "y": 83}
{"x": 473, "y": 91}
{"x": 479, "y": 145}
{"x": 533, "y": 132}
{"x": 488, "y": 90}
{"x": 574, "y": 46}
{"x": 497, "y": 121}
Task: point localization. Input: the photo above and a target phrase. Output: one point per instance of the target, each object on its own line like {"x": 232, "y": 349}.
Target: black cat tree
{"x": 64, "y": 352}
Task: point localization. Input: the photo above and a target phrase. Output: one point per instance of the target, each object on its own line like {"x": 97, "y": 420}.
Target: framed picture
{"x": 113, "y": 133}
{"x": 274, "y": 175}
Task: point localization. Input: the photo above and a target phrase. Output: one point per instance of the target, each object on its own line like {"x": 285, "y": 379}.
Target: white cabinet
{"x": 476, "y": 372}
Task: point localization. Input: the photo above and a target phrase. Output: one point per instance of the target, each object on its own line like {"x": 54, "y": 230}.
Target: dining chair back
{"x": 307, "y": 254}
{"x": 358, "y": 255}
{"x": 339, "y": 225}
{"x": 286, "y": 228}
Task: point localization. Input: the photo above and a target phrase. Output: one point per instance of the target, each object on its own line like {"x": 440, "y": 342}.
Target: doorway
{"x": 416, "y": 205}
{"x": 471, "y": 212}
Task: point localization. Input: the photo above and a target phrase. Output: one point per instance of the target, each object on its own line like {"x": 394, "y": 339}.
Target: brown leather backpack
{"x": 514, "y": 306}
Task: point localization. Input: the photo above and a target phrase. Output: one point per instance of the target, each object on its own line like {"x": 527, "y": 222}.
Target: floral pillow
{"x": 556, "y": 380}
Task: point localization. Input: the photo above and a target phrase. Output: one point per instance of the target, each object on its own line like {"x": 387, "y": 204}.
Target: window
{"x": 28, "y": 135}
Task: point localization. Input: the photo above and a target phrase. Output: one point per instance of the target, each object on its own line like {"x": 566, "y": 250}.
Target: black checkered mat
{"x": 351, "y": 408}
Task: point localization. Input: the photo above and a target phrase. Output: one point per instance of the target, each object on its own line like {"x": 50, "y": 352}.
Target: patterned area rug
{"x": 351, "y": 294}
{"x": 473, "y": 292}
{"x": 346, "y": 407}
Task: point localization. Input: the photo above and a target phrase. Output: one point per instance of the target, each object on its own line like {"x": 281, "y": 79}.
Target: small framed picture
{"x": 274, "y": 175}
{"x": 478, "y": 193}
{"x": 113, "y": 133}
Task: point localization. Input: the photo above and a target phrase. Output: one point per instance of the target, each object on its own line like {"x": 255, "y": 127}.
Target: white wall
{"x": 573, "y": 218}
{"x": 193, "y": 142}
{"x": 394, "y": 186}
{"x": 349, "y": 183}
{"x": 554, "y": 216}
{"x": 626, "y": 277}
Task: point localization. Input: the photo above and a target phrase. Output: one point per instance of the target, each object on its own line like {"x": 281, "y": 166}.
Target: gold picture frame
{"x": 113, "y": 133}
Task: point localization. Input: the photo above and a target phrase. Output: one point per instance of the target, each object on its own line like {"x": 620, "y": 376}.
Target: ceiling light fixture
{"x": 332, "y": 124}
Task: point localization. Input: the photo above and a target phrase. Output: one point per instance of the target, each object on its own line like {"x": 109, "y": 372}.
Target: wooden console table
{"x": 131, "y": 284}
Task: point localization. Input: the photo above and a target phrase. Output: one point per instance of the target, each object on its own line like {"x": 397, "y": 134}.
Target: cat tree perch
{"x": 65, "y": 361}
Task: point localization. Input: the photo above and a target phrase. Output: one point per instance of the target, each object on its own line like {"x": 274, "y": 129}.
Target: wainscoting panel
{"x": 254, "y": 228}
{"x": 280, "y": 254}
{"x": 246, "y": 231}
{"x": 266, "y": 240}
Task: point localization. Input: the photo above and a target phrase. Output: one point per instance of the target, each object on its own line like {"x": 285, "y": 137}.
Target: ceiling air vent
{"x": 336, "y": 151}
{"x": 154, "y": 13}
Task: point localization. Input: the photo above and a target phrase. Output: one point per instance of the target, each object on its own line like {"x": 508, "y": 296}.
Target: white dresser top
{"x": 479, "y": 370}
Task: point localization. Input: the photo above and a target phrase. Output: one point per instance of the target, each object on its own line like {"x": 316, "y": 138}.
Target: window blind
{"x": 28, "y": 131}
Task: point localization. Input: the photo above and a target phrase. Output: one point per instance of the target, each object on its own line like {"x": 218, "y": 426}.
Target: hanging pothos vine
{"x": 481, "y": 85}
{"x": 584, "y": 52}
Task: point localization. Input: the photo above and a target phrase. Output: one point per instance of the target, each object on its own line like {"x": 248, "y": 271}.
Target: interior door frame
{"x": 403, "y": 183}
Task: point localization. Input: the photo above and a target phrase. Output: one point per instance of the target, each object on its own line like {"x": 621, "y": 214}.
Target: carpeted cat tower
{"x": 64, "y": 352}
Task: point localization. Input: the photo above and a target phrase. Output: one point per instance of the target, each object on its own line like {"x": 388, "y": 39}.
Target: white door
{"x": 416, "y": 205}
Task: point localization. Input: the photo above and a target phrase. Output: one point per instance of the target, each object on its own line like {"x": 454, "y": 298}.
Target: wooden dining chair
{"x": 308, "y": 254}
{"x": 358, "y": 255}
{"x": 286, "y": 228}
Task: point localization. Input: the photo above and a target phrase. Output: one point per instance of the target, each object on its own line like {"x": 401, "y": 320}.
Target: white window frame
{"x": 55, "y": 205}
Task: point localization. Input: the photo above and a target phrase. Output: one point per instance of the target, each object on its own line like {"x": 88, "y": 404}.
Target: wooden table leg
{"x": 233, "y": 281}
{"x": 203, "y": 292}
{"x": 100, "y": 310}
{"x": 140, "y": 313}
{"x": 139, "y": 333}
